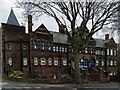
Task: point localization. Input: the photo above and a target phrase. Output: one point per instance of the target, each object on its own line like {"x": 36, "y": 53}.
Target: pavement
{"x": 6, "y": 84}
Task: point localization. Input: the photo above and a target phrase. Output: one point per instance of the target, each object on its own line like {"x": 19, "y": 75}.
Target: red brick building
{"x": 46, "y": 53}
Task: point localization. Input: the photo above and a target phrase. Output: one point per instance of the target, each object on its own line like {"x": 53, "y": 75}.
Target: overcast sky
{"x": 6, "y": 5}
{"x": 5, "y": 8}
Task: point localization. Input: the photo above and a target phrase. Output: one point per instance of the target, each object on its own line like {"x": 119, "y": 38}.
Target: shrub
{"x": 15, "y": 74}
{"x": 66, "y": 78}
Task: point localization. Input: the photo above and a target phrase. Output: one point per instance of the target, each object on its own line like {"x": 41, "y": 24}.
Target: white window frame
{"x": 35, "y": 44}
{"x": 111, "y": 51}
{"x": 111, "y": 62}
{"x": 24, "y": 47}
{"x": 108, "y": 63}
{"x": 9, "y": 46}
{"x": 115, "y": 62}
{"x": 64, "y": 62}
{"x": 10, "y": 61}
{"x": 60, "y": 49}
{"x": 25, "y": 61}
{"x": 86, "y": 50}
{"x": 43, "y": 61}
{"x": 56, "y": 61}
{"x": 43, "y": 45}
{"x": 108, "y": 52}
{"x": 102, "y": 62}
{"x": 54, "y": 48}
{"x": 115, "y": 52}
{"x": 57, "y": 49}
{"x": 63, "y": 49}
{"x": 49, "y": 61}
{"x": 97, "y": 62}
{"x": 35, "y": 61}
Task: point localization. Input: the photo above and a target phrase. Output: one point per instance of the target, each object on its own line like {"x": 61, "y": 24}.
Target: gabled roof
{"x": 42, "y": 29}
{"x": 12, "y": 19}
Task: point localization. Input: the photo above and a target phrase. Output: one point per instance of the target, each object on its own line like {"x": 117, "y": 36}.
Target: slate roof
{"x": 12, "y": 19}
{"x": 59, "y": 38}
{"x": 99, "y": 42}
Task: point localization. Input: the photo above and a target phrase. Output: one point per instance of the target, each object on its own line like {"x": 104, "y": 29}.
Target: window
{"x": 64, "y": 62}
{"x": 65, "y": 49}
{"x": 115, "y": 63}
{"x": 56, "y": 49}
{"x": 115, "y": 52}
{"x": 111, "y": 74}
{"x": 108, "y": 63}
{"x": 49, "y": 61}
{"x": 96, "y": 52}
{"x": 55, "y": 61}
{"x": 49, "y": 46}
{"x": 25, "y": 61}
{"x": 102, "y": 62}
{"x": 102, "y": 52}
{"x": 111, "y": 62}
{"x": 83, "y": 63}
{"x": 111, "y": 52}
{"x": 97, "y": 63}
{"x": 43, "y": 45}
{"x": 9, "y": 47}
{"x": 10, "y": 61}
{"x": 86, "y": 50}
{"x": 91, "y": 51}
{"x": 24, "y": 46}
{"x": 80, "y": 50}
{"x": 35, "y": 44}
{"x": 62, "y": 49}
{"x": 107, "y": 51}
{"x": 53, "y": 48}
{"x": 35, "y": 61}
{"x": 43, "y": 61}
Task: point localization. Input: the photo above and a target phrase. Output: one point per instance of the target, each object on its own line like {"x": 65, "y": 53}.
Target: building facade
{"x": 48, "y": 54}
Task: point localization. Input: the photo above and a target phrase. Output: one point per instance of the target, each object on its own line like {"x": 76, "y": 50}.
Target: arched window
{"x": 35, "y": 61}
{"x": 10, "y": 61}
{"x": 25, "y": 61}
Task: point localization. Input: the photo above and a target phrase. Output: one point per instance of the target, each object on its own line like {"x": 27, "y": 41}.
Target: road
{"x": 9, "y": 85}
{"x": 38, "y": 88}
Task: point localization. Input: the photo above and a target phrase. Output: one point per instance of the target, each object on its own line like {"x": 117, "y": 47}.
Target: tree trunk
{"x": 77, "y": 75}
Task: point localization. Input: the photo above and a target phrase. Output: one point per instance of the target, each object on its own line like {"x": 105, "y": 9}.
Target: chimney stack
{"x": 62, "y": 29}
{"x": 29, "y": 24}
{"x": 107, "y": 37}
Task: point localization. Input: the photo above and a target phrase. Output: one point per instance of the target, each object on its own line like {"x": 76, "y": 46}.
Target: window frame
{"x": 35, "y": 61}
{"x": 10, "y": 61}
{"x": 25, "y": 61}
{"x": 42, "y": 61}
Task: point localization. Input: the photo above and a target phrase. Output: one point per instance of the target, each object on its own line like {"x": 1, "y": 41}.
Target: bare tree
{"x": 77, "y": 16}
